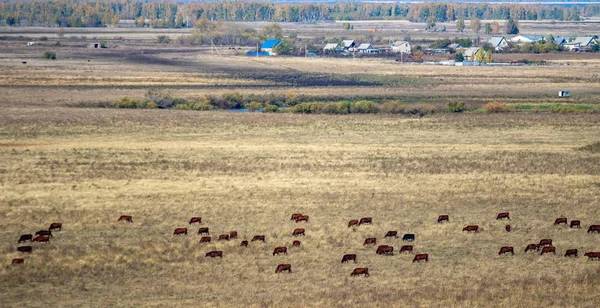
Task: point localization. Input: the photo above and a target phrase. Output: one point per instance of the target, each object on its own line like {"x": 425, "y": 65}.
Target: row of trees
{"x": 96, "y": 13}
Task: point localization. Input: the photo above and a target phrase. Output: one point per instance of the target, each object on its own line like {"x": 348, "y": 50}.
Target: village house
{"x": 401, "y": 47}
{"x": 498, "y": 42}
{"x": 455, "y": 46}
{"x": 348, "y": 45}
{"x": 268, "y": 46}
{"x": 532, "y": 39}
{"x": 471, "y": 53}
{"x": 367, "y": 48}
{"x": 332, "y": 47}
{"x": 580, "y": 43}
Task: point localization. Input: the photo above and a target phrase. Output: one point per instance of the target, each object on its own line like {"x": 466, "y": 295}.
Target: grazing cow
{"x": 545, "y": 242}
{"x": 280, "y": 250}
{"x": 385, "y": 250}
{"x": 592, "y": 255}
{"x": 297, "y": 232}
{"x": 548, "y": 249}
{"x": 233, "y": 234}
{"x": 44, "y": 233}
{"x": 571, "y": 253}
{"x": 302, "y": 218}
{"x": 295, "y": 216}
{"x": 443, "y": 218}
{"x": 349, "y": 257}
{"x": 503, "y": 215}
{"x": 26, "y": 249}
{"x": 258, "y": 238}
{"x": 506, "y": 249}
{"x": 18, "y": 261}
{"x": 532, "y": 247}
{"x": 180, "y": 231}
{"x": 296, "y": 244}
{"x": 470, "y": 228}
{"x": 41, "y": 239}
{"x": 594, "y": 228}
{"x": 214, "y": 254}
{"x": 407, "y": 248}
{"x": 25, "y": 237}
{"x": 370, "y": 241}
{"x": 55, "y": 226}
{"x": 195, "y": 220}
{"x": 561, "y": 220}
{"x": 365, "y": 220}
{"x": 283, "y": 267}
{"x": 575, "y": 224}
{"x": 352, "y": 222}
{"x": 360, "y": 271}
{"x": 224, "y": 237}
{"x": 408, "y": 238}
{"x": 508, "y": 228}
{"x": 203, "y": 230}
{"x": 126, "y": 218}
{"x": 205, "y": 239}
{"x": 421, "y": 256}
{"x": 244, "y": 244}
{"x": 391, "y": 234}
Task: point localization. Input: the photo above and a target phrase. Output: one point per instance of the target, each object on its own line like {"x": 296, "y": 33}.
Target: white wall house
{"x": 401, "y": 46}
{"x": 498, "y": 42}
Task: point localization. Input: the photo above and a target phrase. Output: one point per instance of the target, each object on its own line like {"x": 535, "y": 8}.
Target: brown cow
{"x": 532, "y": 247}
{"x": 24, "y": 238}
{"x": 443, "y": 218}
{"x": 55, "y": 226}
{"x": 594, "y": 228}
{"x": 391, "y": 234}
{"x": 571, "y": 253}
{"x": 575, "y": 224}
{"x": 592, "y": 255}
{"x": 41, "y": 239}
{"x": 297, "y": 232}
{"x": 296, "y": 244}
{"x": 545, "y": 242}
{"x": 370, "y": 241}
{"x": 44, "y": 233}
{"x": 203, "y": 230}
{"x": 508, "y": 228}
{"x": 503, "y": 215}
{"x": 295, "y": 216}
{"x": 365, "y": 220}
{"x": 205, "y": 239}
{"x": 421, "y": 256}
{"x": 352, "y": 222}
{"x": 407, "y": 248}
{"x": 214, "y": 254}
{"x": 302, "y": 218}
{"x": 548, "y": 249}
{"x": 280, "y": 250}
{"x": 18, "y": 261}
{"x": 223, "y": 237}
{"x": 470, "y": 228}
{"x": 283, "y": 267}
{"x": 561, "y": 220}
{"x": 126, "y": 218}
{"x": 195, "y": 220}
{"x": 385, "y": 250}
{"x": 349, "y": 257}
{"x": 233, "y": 234}
{"x": 506, "y": 249}
{"x": 360, "y": 271}
{"x": 244, "y": 244}
{"x": 180, "y": 231}
{"x": 258, "y": 238}
{"x": 24, "y": 249}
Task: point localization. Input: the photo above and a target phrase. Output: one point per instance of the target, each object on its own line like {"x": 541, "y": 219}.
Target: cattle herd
{"x": 543, "y": 247}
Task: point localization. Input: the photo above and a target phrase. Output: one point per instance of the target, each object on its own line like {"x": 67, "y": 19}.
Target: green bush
{"x": 309, "y": 108}
{"x": 364, "y": 107}
{"x": 49, "y": 55}
{"x": 252, "y": 106}
{"x": 43, "y": 38}
{"x": 456, "y": 106}
{"x": 270, "y": 108}
{"x": 392, "y": 107}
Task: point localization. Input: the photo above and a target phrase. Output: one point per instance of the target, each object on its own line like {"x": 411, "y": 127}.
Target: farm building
{"x": 560, "y": 40}
{"x": 401, "y": 46}
{"x": 268, "y": 46}
{"x": 532, "y": 39}
{"x": 126, "y": 23}
{"x": 471, "y": 53}
{"x": 348, "y": 45}
{"x": 257, "y": 54}
{"x": 455, "y": 46}
{"x": 332, "y": 47}
{"x": 367, "y": 48}
{"x": 580, "y": 43}
{"x": 94, "y": 45}
{"x": 498, "y": 42}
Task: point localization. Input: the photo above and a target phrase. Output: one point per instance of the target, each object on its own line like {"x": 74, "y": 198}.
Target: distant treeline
{"x": 69, "y": 13}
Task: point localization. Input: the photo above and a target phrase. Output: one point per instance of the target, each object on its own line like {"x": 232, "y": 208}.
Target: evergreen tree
{"x": 460, "y": 25}
{"x": 512, "y": 27}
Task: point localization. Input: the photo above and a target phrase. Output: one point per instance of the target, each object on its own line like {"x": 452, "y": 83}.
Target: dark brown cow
{"x": 195, "y": 220}
{"x": 385, "y": 250}
{"x": 26, "y": 249}
{"x": 407, "y": 248}
{"x": 203, "y": 231}
{"x": 297, "y": 232}
{"x": 296, "y": 244}
{"x": 25, "y": 237}
{"x": 126, "y": 218}
{"x": 280, "y": 250}
{"x": 391, "y": 234}
{"x": 244, "y": 244}
{"x": 349, "y": 257}
{"x": 283, "y": 267}
{"x": 258, "y": 238}
{"x": 180, "y": 231}
{"x": 295, "y": 216}
{"x": 503, "y": 215}
{"x": 302, "y": 218}
{"x": 214, "y": 254}
{"x": 506, "y": 249}
{"x": 44, "y": 233}
{"x": 592, "y": 255}
{"x": 594, "y": 228}
{"x": 545, "y": 242}
{"x": 471, "y": 228}
{"x": 18, "y": 261}
{"x": 571, "y": 253}
{"x": 205, "y": 239}
{"x": 443, "y": 218}
{"x": 41, "y": 239}
{"x": 352, "y": 222}
{"x": 575, "y": 224}
{"x": 370, "y": 241}
{"x": 548, "y": 249}
{"x": 223, "y": 237}
{"x": 561, "y": 220}
{"x": 233, "y": 234}
{"x": 360, "y": 271}
{"x": 365, "y": 220}
{"x": 55, "y": 226}
{"x": 532, "y": 247}
{"x": 420, "y": 257}
{"x": 508, "y": 228}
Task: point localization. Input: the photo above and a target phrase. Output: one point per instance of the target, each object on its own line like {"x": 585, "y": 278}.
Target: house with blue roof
{"x": 269, "y": 45}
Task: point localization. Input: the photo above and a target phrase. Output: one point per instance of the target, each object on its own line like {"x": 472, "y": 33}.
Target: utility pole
{"x": 257, "y": 50}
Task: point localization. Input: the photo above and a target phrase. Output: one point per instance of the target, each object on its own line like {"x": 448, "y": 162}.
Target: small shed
{"x": 564, "y": 93}
{"x": 94, "y": 45}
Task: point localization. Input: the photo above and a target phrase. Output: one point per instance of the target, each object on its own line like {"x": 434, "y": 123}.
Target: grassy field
{"x": 248, "y": 172}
